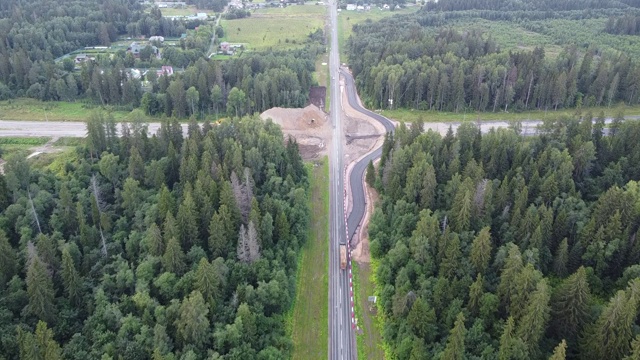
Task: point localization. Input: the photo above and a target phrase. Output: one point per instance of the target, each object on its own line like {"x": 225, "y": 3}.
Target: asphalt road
{"x": 358, "y": 171}
{"x": 342, "y": 344}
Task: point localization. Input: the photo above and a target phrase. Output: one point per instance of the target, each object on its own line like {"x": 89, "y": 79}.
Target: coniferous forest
{"x": 153, "y": 247}
{"x": 500, "y": 55}
{"x": 501, "y": 246}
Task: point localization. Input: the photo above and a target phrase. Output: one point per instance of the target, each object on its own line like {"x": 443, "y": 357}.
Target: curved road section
{"x": 357, "y": 173}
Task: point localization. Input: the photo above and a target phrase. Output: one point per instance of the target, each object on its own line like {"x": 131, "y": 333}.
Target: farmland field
{"x": 281, "y": 28}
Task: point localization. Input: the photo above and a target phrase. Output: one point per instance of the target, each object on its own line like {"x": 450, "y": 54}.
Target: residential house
{"x": 165, "y": 70}
{"x": 351, "y": 6}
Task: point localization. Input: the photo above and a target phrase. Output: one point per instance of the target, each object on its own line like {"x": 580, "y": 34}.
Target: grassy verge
{"x": 369, "y": 337}
{"x": 321, "y": 75}
{"x": 437, "y": 116}
{"x": 308, "y": 321}
{"x": 35, "y": 110}
{"x": 29, "y": 141}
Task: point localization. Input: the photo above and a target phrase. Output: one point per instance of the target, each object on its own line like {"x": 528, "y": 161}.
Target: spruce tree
{"x": 476, "y": 290}
{"x": 40, "y": 290}
{"x": 512, "y": 267}
{"x": 192, "y": 324}
{"x": 166, "y": 203}
{"x": 450, "y": 264}
{"x": 635, "y": 349}
{"x": 186, "y": 221}
{"x": 206, "y": 281}
{"x": 536, "y": 316}
{"x": 173, "y": 258}
{"x": 481, "y": 250}
{"x": 561, "y": 259}
{"x": 218, "y": 241}
{"x": 169, "y": 229}
{"x": 570, "y": 306}
{"x": 39, "y": 345}
{"x": 154, "y": 241}
{"x": 559, "y": 353}
{"x": 8, "y": 261}
{"x": 455, "y": 342}
{"x": 71, "y": 277}
{"x": 371, "y": 174}
{"x": 610, "y": 336}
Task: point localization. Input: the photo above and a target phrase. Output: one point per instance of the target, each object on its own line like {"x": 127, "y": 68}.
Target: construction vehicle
{"x": 343, "y": 256}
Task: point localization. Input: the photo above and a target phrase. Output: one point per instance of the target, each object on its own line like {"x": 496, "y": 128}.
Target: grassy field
{"x": 277, "y": 28}
{"x": 321, "y": 75}
{"x": 308, "y": 321}
{"x": 35, "y": 110}
{"x": 346, "y": 20}
{"x": 369, "y": 339}
{"x": 436, "y": 116}
{"x": 189, "y": 10}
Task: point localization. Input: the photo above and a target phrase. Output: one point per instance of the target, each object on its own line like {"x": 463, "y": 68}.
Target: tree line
{"x": 502, "y": 246}
{"x": 153, "y": 247}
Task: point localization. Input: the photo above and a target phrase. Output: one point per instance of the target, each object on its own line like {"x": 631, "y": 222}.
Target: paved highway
{"x": 342, "y": 345}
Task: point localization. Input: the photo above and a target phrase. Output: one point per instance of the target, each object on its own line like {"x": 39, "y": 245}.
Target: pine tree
{"x": 187, "y": 223}
{"x": 536, "y": 316}
{"x": 461, "y": 211}
{"x": 40, "y": 290}
{"x": 173, "y": 258}
{"x": 511, "y": 347}
{"x": 192, "y": 324}
{"x": 153, "y": 239}
{"x": 455, "y": 342}
{"x": 71, "y": 278}
{"x": 570, "y": 306}
{"x": 559, "y": 353}
{"x": 481, "y": 250}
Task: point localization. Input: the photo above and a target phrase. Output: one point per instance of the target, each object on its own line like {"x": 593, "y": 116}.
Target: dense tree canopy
{"x": 522, "y": 248}
{"x": 163, "y": 247}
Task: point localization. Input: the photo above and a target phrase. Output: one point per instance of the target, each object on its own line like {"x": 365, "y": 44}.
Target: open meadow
{"x": 275, "y": 28}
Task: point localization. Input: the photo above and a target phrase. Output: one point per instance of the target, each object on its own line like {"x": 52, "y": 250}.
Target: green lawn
{"x": 309, "y": 321}
{"x": 35, "y": 110}
{"x": 436, "y": 116}
{"x": 346, "y": 20}
{"x": 277, "y": 28}
{"x": 189, "y": 10}
{"x": 369, "y": 338}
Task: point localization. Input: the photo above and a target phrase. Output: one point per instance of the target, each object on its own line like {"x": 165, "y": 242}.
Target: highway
{"x": 342, "y": 344}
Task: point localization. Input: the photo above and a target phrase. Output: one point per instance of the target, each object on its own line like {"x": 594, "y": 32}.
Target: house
{"x": 351, "y": 6}
{"x": 385, "y": 6}
{"x": 135, "y": 48}
{"x": 202, "y": 16}
{"x": 156, "y": 38}
{"x": 360, "y": 8}
{"x": 80, "y": 58}
{"x": 135, "y": 74}
{"x": 165, "y": 70}
{"x": 225, "y": 47}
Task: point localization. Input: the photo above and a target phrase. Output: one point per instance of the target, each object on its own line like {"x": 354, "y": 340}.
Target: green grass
{"x": 35, "y": 110}
{"x": 276, "y": 28}
{"x": 30, "y": 141}
{"x": 346, "y": 20}
{"x": 308, "y": 322}
{"x": 70, "y": 141}
{"x": 321, "y": 76}
{"x": 409, "y": 115}
{"x": 370, "y": 341}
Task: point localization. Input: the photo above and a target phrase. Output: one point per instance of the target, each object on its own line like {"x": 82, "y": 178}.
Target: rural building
{"x": 172, "y": 4}
{"x": 225, "y": 47}
{"x": 360, "y": 8}
{"x": 165, "y": 70}
{"x": 136, "y": 47}
{"x": 351, "y": 6}
{"x": 156, "y": 38}
{"x": 80, "y": 58}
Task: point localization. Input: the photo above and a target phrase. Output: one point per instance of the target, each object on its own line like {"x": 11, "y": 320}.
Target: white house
{"x": 351, "y": 6}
